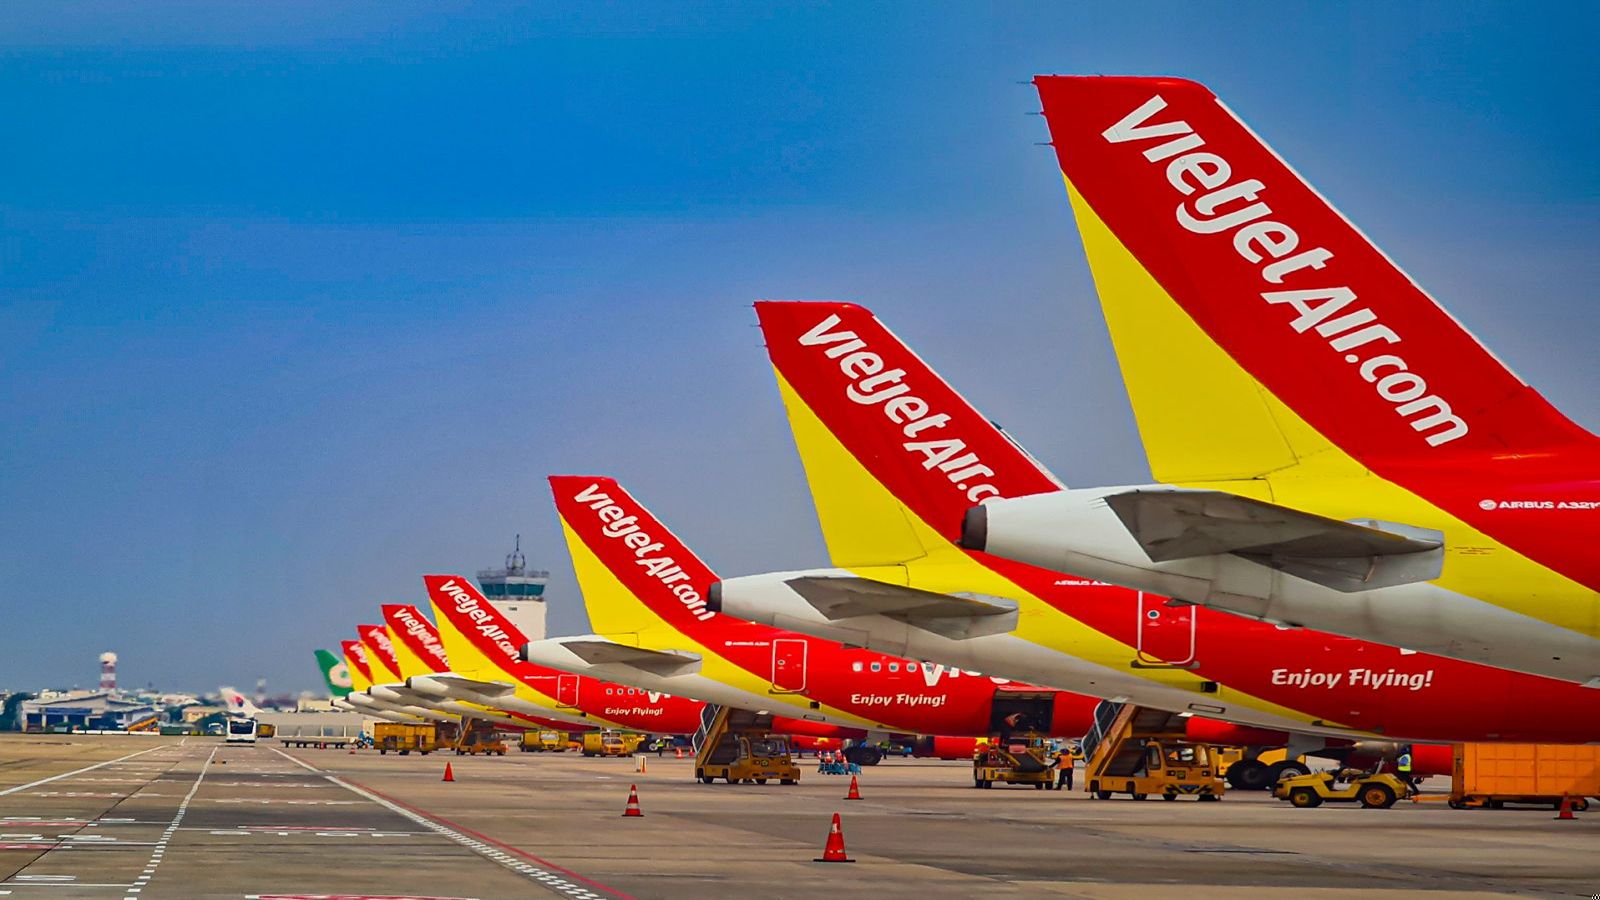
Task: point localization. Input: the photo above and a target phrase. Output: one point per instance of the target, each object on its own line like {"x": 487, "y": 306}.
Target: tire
{"x": 788, "y": 781}
{"x": 761, "y": 781}
{"x": 1377, "y": 796}
{"x": 1209, "y": 797}
{"x": 1038, "y": 785}
{"x": 977, "y": 782}
{"x": 1141, "y": 796}
{"x": 1304, "y": 798}
{"x": 1282, "y": 769}
{"x": 1102, "y": 795}
{"x": 1453, "y": 803}
{"x": 864, "y": 756}
{"x": 1579, "y": 804}
{"x": 732, "y": 780}
{"x": 708, "y": 779}
{"x": 383, "y": 753}
{"x": 1171, "y": 797}
{"x": 1250, "y": 775}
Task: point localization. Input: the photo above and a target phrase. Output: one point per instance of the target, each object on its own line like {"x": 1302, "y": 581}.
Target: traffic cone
{"x": 1566, "y": 808}
{"x": 632, "y": 810}
{"x": 855, "y": 792}
{"x": 641, "y": 768}
{"x": 448, "y": 774}
{"x": 679, "y": 752}
{"x": 833, "y": 850}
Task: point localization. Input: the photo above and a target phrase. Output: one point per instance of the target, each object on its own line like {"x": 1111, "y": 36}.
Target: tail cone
{"x": 448, "y": 774}
{"x": 632, "y": 810}
{"x": 833, "y": 850}
{"x": 855, "y": 791}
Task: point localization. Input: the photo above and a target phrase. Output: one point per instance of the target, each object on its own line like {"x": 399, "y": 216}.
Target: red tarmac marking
{"x": 489, "y": 840}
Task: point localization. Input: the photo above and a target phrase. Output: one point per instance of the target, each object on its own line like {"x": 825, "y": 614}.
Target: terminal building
{"x": 87, "y": 711}
{"x": 517, "y": 592}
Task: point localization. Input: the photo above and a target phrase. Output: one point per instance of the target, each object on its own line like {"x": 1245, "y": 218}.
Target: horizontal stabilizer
{"x": 599, "y": 651}
{"x": 955, "y": 616}
{"x": 476, "y": 686}
{"x": 1346, "y": 556}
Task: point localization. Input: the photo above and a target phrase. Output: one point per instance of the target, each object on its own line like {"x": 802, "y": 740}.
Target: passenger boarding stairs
{"x": 1115, "y": 743}
{"x": 716, "y": 741}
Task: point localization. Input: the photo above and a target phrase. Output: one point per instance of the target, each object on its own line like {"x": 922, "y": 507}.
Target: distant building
{"x": 517, "y": 592}
{"x": 85, "y": 710}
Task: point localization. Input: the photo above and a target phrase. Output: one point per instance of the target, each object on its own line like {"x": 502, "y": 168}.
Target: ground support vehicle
{"x": 1492, "y": 775}
{"x": 739, "y": 746}
{"x": 403, "y": 738}
{"x": 542, "y": 742}
{"x": 479, "y": 737}
{"x": 1373, "y": 790}
{"x": 1255, "y": 768}
{"x": 1024, "y": 761}
{"x": 610, "y": 743}
{"x": 241, "y": 731}
{"x": 1143, "y": 752}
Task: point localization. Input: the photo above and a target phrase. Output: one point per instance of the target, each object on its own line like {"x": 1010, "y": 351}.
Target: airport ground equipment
{"x": 266, "y": 729}
{"x": 1373, "y": 790}
{"x": 1143, "y": 752}
{"x": 240, "y": 730}
{"x": 1493, "y": 775}
{"x": 1256, "y": 768}
{"x": 534, "y": 741}
{"x": 836, "y": 763}
{"x": 479, "y": 737}
{"x": 739, "y": 746}
{"x": 610, "y": 743}
{"x": 1021, "y": 761}
{"x": 403, "y": 738}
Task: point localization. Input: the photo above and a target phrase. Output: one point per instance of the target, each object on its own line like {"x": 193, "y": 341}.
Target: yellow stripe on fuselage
{"x": 1207, "y": 423}
{"x": 845, "y": 492}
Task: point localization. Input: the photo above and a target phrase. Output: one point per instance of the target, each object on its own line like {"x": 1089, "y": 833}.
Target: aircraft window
{"x": 609, "y": 691}
{"x": 856, "y": 666}
{"x": 877, "y": 667}
{"x": 894, "y": 667}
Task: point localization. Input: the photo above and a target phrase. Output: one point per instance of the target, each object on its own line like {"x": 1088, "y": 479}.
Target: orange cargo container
{"x": 1496, "y": 774}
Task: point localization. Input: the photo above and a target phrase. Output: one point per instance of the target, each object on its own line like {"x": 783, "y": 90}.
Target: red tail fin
{"x": 419, "y": 635}
{"x": 475, "y": 617}
{"x": 650, "y": 562}
{"x": 913, "y": 433}
{"x": 357, "y": 655}
{"x": 1277, "y": 278}
{"x": 376, "y": 639}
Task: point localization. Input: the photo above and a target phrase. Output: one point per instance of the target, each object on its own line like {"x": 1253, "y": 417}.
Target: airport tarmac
{"x": 167, "y": 817}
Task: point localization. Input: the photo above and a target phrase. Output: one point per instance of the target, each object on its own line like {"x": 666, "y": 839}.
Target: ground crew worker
{"x": 1402, "y": 764}
{"x": 1065, "y": 760}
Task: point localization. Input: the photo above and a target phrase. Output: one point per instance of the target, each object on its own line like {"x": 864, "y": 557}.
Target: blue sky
{"x": 301, "y": 300}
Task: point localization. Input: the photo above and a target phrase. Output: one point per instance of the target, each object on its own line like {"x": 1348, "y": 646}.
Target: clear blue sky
{"x": 301, "y": 300}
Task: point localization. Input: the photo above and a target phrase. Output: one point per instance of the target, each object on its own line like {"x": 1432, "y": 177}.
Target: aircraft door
{"x": 1165, "y": 633}
{"x": 789, "y": 665}
{"x": 567, "y": 690}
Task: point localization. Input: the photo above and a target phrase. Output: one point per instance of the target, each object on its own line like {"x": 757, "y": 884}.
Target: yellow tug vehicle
{"x": 1373, "y": 790}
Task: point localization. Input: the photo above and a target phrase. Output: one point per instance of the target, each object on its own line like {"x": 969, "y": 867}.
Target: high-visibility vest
{"x": 1404, "y": 762}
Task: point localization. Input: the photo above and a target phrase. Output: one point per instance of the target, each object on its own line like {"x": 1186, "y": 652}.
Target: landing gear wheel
{"x": 1287, "y": 768}
{"x": 1377, "y": 796}
{"x": 1249, "y": 775}
{"x": 863, "y": 756}
{"x": 1304, "y": 798}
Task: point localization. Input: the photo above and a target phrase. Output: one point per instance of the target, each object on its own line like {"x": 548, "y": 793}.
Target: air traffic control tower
{"x": 517, "y": 592}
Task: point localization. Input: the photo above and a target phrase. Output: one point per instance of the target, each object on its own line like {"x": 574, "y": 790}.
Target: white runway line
{"x": 552, "y": 880}
{"x": 109, "y": 762}
{"x": 161, "y": 844}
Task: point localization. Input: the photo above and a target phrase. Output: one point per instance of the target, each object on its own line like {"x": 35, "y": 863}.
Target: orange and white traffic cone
{"x": 632, "y": 810}
{"x": 855, "y": 791}
{"x": 448, "y": 774}
{"x": 833, "y": 850}
{"x": 640, "y": 768}
{"x": 679, "y": 751}
{"x": 1566, "y": 808}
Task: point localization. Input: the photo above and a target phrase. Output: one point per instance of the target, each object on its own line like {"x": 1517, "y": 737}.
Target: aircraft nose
{"x": 975, "y": 529}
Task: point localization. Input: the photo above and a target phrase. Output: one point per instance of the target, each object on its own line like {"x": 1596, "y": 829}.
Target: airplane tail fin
{"x": 415, "y": 639}
{"x": 236, "y": 702}
{"x": 634, "y": 573}
{"x": 335, "y": 673}
{"x": 380, "y": 652}
{"x": 1257, "y": 329}
{"x": 469, "y": 624}
{"x": 893, "y": 455}
{"x": 355, "y": 657}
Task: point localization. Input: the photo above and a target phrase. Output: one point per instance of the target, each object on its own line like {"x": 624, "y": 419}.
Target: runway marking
{"x": 161, "y": 843}
{"x": 544, "y": 872}
{"x": 109, "y": 762}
